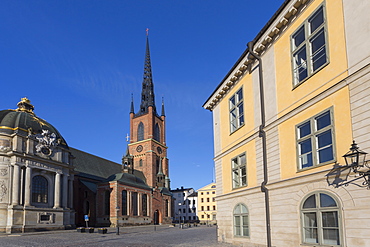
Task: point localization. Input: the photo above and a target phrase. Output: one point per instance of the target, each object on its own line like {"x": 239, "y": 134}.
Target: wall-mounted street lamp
{"x": 355, "y": 160}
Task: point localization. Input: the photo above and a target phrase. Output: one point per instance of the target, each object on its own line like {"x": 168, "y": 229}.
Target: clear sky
{"x": 79, "y": 61}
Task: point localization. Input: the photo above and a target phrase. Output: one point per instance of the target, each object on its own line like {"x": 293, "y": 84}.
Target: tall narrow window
{"x": 140, "y": 132}
{"x": 124, "y": 202}
{"x": 315, "y": 140}
{"x": 157, "y": 133}
{"x": 86, "y": 208}
{"x": 241, "y": 221}
{"x": 134, "y": 204}
{"x": 166, "y": 208}
{"x": 39, "y": 189}
{"x": 239, "y": 171}
{"x": 107, "y": 202}
{"x": 320, "y": 220}
{"x": 309, "y": 47}
{"x": 236, "y": 108}
{"x": 145, "y": 204}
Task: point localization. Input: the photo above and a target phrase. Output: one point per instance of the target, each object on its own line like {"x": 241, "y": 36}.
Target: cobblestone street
{"x": 143, "y": 236}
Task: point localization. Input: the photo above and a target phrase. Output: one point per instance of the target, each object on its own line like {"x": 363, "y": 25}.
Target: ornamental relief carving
{"x": 47, "y": 141}
{"x": 3, "y": 190}
{"x": 43, "y": 166}
{"x": 3, "y": 172}
{"x": 4, "y": 145}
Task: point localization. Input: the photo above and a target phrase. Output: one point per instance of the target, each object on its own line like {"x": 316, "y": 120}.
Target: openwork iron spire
{"x": 147, "y": 93}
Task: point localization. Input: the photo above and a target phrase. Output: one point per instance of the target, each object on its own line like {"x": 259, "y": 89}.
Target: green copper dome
{"x": 23, "y": 121}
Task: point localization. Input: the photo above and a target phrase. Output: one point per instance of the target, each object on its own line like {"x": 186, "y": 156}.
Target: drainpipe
{"x": 262, "y": 134}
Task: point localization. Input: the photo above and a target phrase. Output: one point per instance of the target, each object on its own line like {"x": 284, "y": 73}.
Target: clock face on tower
{"x": 139, "y": 148}
{"x": 159, "y": 150}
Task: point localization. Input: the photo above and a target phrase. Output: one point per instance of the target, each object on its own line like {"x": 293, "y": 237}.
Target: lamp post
{"x": 355, "y": 160}
{"x": 117, "y": 209}
{"x": 179, "y": 215}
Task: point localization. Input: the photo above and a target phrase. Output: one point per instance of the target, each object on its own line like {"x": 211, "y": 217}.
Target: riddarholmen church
{"x": 45, "y": 184}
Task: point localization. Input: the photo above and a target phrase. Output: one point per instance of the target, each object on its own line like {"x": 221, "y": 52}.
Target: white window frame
{"x": 239, "y": 171}
{"x": 318, "y": 211}
{"x": 236, "y": 110}
{"x": 313, "y": 137}
{"x": 243, "y": 221}
{"x": 306, "y": 47}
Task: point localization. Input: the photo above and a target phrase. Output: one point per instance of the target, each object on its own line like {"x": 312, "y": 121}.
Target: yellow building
{"x": 283, "y": 117}
{"x": 207, "y": 211}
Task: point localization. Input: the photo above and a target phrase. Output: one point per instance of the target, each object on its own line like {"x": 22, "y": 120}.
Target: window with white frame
{"x": 236, "y": 108}
{"x": 309, "y": 46}
{"x": 239, "y": 171}
{"x": 315, "y": 140}
{"x": 241, "y": 221}
{"x": 321, "y": 220}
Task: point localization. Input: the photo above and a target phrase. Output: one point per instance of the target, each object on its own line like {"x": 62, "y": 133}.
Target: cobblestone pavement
{"x": 143, "y": 236}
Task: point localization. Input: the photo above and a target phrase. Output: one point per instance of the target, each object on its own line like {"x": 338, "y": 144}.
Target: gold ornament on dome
{"x": 25, "y": 105}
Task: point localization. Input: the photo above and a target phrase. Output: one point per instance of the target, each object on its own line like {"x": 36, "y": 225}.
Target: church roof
{"x": 165, "y": 191}
{"x": 129, "y": 179}
{"x": 97, "y": 168}
{"x": 92, "y": 166}
{"x": 24, "y": 121}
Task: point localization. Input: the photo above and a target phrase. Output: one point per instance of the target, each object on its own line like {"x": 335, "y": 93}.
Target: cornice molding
{"x": 281, "y": 22}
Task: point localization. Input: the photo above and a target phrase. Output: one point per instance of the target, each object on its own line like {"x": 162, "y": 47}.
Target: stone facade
{"x": 36, "y": 173}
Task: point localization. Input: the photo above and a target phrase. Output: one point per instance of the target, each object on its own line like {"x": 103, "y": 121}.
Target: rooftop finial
{"x": 147, "y": 31}
{"x": 162, "y": 113}
{"x": 25, "y": 105}
{"x": 132, "y": 104}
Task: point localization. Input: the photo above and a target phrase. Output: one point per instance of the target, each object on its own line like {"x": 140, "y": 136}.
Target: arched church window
{"x": 39, "y": 189}
{"x": 134, "y": 201}
{"x": 107, "y": 202}
{"x": 140, "y": 132}
{"x": 86, "y": 208}
{"x": 166, "y": 208}
{"x": 124, "y": 202}
{"x": 157, "y": 133}
{"x": 145, "y": 205}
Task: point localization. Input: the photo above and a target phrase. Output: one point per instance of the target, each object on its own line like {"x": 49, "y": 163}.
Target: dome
{"x": 24, "y": 122}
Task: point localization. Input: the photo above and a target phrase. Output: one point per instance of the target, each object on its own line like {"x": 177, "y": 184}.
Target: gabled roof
{"x": 129, "y": 179}
{"x": 91, "y": 166}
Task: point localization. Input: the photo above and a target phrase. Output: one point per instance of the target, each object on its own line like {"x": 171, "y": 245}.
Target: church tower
{"x": 148, "y": 134}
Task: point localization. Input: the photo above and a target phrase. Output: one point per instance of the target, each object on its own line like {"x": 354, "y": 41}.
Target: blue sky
{"x": 79, "y": 62}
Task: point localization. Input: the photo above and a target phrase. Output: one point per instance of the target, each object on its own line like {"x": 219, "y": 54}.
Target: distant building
{"x": 283, "y": 118}
{"x": 207, "y": 211}
{"x": 184, "y": 205}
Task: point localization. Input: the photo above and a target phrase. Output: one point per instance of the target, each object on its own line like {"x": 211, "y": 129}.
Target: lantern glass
{"x": 355, "y": 157}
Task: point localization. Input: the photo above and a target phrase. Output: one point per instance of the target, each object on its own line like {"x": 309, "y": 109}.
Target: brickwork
{"x": 84, "y": 202}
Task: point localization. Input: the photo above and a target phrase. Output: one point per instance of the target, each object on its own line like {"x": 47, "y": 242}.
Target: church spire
{"x": 163, "y": 114}
{"x": 147, "y": 93}
{"x": 132, "y": 104}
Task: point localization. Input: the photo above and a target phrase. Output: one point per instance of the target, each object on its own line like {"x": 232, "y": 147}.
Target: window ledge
{"x": 316, "y": 166}
{"x": 310, "y": 76}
